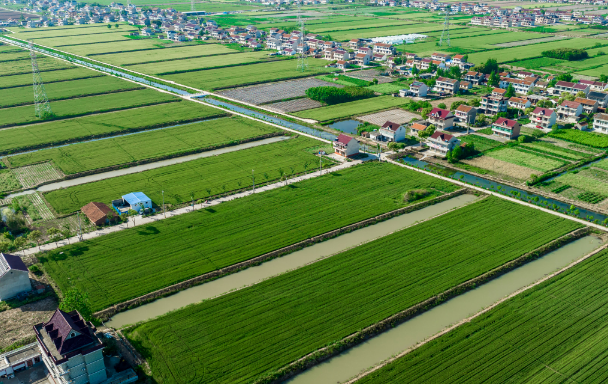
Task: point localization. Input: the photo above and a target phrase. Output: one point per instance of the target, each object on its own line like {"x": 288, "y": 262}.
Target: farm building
{"x": 19, "y": 359}
{"x": 14, "y": 276}
{"x": 136, "y": 201}
{"x": 346, "y": 146}
{"x": 96, "y": 212}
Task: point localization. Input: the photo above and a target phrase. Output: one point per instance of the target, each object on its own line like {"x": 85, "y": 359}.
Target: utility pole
{"x": 79, "y": 228}
{"x": 164, "y": 214}
{"x": 41, "y": 102}
{"x": 320, "y": 164}
{"x": 253, "y": 181}
{"x": 192, "y": 5}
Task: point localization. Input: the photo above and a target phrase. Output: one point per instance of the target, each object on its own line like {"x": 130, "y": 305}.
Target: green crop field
{"x": 65, "y": 90}
{"x": 159, "y": 143}
{"x": 190, "y": 65}
{"x": 528, "y": 51}
{"x": 48, "y": 77}
{"x": 553, "y": 333}
{"x": 87, "y": 127}
{"x": 588, "y": 180}
{"x": 158, "y": 257}
{"x": 592, "y": 139}
{"x": 526, "y": 159}
{"x": 364, "y": 32}
{"x": 554, "y": 150}
{"x": 358, "y": 107}
{"x": 167, "y": 54}
{"x": 201, "y": 178}
{"x": 25, "y": 66}
{"x": 211, "y": 79}
{"x": 97, "y": 38}
{"x": 386, "y": 88}
{"x": 6, "y": 57}
{"x": 85, "y": 105}
{"x": 481, "y": 143}
{"x": 122, "y": 46}
{"x": 243, "y": 335}
{"x": 8, "y": 181}
{"x": 66, "y": 30}
{"x": 538, "y": 62}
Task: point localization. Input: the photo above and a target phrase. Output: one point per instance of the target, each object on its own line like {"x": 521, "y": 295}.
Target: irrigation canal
{"x": 283, "y": 264}
{"x": 406, "y": 335}
{"x": 146, "y": 167}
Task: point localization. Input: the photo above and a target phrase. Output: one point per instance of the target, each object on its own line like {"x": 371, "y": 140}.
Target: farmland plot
{"x": 526, "y": 159}
{"x": 66, "y": 90}
{"x": 552, "y": 333}
{"x": 369, "y": 75}
{"x": 87, "y": 127}
{"x": 294, "y": 105}
{"x": 92, "y": 39}
{"x": 85, "y": 105}
{"x": 153, "y": 55}
{"x": 117, "y": 47}
{"x": 261, "y": 94}
{"x": 8, "y": 181}
{"x": 243, "y": 335}
{"x": 261, "y": 223}
{"x": 49, "y": 77}
{"x": 35, "y": 207}
{"x": 528, "y": 51}
{"x": 399, "y": 116}
{"x": 201, "y": 178}
{"x": 588, "y": 180}
{"x": 158, "y": 143}
{"x": 351, "y": 108}
{"x": 25, "y": 66}
{"x": 592, "y": 139}
{"x": 34, "y": 175}
{"x": 481, "y": 143}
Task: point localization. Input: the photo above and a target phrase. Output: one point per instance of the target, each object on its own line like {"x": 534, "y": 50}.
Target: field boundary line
{"x": 390, "y": 322}
{"x": 472, "y": 317}
{"x": 111, "y": 311}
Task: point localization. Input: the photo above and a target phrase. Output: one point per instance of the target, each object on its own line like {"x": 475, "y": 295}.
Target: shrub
{"x": 415, "y": 194}
{"x": 570, "y": 54}
{"x": 524, "y": 139}
{"x": 333, "y": 95}
{"x": 35, "y": 270}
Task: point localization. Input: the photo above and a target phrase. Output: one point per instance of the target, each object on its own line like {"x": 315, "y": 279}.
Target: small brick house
{"x": 96, "y": 212}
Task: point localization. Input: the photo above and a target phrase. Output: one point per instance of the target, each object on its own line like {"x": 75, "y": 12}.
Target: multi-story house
{"x": 589, "y": 106}
{"x": 600, "y": 123}
{"x": 465, "y": 114}
{"x": 441, "y": 118}
{"x": 346, "y": 146}
{"x": 493, "y": 104}
{"x": 393, "y": 131}
{"x": 70, "y": 350}
{"x": 569, "y": 110}
{"x": 519, "y": 103}
{"x": 474, "y": 77}
{"x": 543, "y": 117}
{"x": 499, "y": 92}
{"x": 594, "y": 85}
{"x": 384, "y": 49}
{"x": 447, "y": 85}
{"x": 440, "y": 143}
{"x": 441, "y": 56}
{"x": 417, "y": 89}
{"x": 505, "y": 128}
{"x": 355, "y": 44}
{"x": 341, "y": 55}
{"x": 600, "y": 97}
{"x": 362, "y": 58}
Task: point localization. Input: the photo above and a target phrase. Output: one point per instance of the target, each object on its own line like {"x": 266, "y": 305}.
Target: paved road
{"x": 151, "y": 219}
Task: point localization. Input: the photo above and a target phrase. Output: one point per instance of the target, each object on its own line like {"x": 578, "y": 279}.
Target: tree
{"x": 116, "y": 25}
{"x": 427, "y": 132}
{"x": 581, "y": 94}
{"x": 35, "y": 237}
{"x": 531, "y": 91}
{"x": 455, "y": 73}
{"x": 5, "y": 244}
{"x": 457, "y": 104}
{"x": 66, "y": 232}
{"x": 480, "y": 120}
{"x": 415, "y": 70}
{"x": 510, "y": 91}
{"x": 53, "y": 234}
{"x": 474, "y": 102}
{"x": 465, "y": 58}
{"x": 442, "y": 106}
{"x": 20, "y": 242}
{"x": 425, "y": 112}
{"x": 111, "y": 216}
{"x": 604, "y": 78}
{"x": 491, "y": 65}
{"x": 75, "y": 300}
{"x": 529, "y": 110}
{"x": 109, "y": 26}
{"x": 494, "y": 79}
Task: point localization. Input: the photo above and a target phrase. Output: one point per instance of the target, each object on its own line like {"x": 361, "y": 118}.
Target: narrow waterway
{"x": 505, "y": 189}
{"x": 282, "y": 264}
{"x": 372, "y": 352}
{"x": 146, "y": 167}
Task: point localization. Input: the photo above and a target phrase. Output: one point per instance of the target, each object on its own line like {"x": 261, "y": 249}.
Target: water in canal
{"x": 350, "y": 363}
{"x": 346, "y": 126}
{"x": 283, "y": 264}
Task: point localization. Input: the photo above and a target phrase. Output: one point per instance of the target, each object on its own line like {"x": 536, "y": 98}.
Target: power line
{"x": 445, "y": 35}
{"x": 41, "y": 102}
{"x": 302, "y": 58}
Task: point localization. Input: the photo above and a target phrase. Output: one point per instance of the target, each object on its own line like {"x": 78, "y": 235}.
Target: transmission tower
{"x": 192, "y": 5}
{"x": 445, "y": 35}
{"x": 302, "y": 58}
{"x": 43, "y": 108}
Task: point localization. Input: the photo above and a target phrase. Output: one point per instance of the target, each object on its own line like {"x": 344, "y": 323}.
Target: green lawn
{"x": 351, "y": 108}
{"x": 159, "y": 143}
{"x": 85, "y": 105}
{"x": 552, "y": 333}
{"x": 88, "y": 127}
{"x": 170, "y": 250}
{"x": 240, "y": 336}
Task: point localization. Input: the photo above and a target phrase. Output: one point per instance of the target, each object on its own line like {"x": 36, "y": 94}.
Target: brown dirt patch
{"x": 16, "y": 324}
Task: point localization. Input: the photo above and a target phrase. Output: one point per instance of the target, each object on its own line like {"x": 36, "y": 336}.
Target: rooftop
{"x": 136, "y": 198}
{"x": 8, "y": 262}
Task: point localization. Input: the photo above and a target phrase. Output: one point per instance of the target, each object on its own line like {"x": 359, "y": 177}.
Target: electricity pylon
{"x": 302, "y": 58}
{"x": 41, "y": 102}
{"x": 445, "y": 35}
{"x": 192, "y": 5}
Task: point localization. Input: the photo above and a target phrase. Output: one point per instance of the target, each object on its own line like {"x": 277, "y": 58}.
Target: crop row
{"x": 358, "y": 107}
{"x": 592, "y": 139}
{"x": 154, "y": 54}
{"x": 48, "y": 77}
{"x": 553, "y": 333}
{"x": 170, "y": 250}
{"x": 252, "y": 332}
{"x": 25, "y": 66}
{"x": 87, "y": 127}
{"x": 526, "y": 159}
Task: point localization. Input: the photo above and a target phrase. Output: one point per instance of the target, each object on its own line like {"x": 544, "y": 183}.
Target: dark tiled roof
{"x": 12, "y": 261}
{"x": 344, "y": 139}
{"x": 503, "y": 122}
{"x": 392, "y": 126}
{"x": 61, "y": 326}
{"x": 440, "y": 113}
{"x": 441, "y": 136}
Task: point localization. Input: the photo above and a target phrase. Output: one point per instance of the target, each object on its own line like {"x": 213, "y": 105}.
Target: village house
{"x": 441, "y": 143}
{"x": 417, "y": 89}
{"x": 594, "y": 85}
{"x": 505, "y": 128}
{"x": 499, "y": 92}
{"x": 493, "y": 104}
{"x": 346, "y": 146}
{"x": 136, "y": 201}
{"x": 465, "y": 114}
{"x": 465, "y": 86}
{"x": 543, "y": 117}
{"x": 441, "y": 118}
{"x": 518, "y": 103}
{"x": 589, "y": 106}
{"x": 600, "y": 97}
{"x": 97, "y": 213}
{"x": 14, "y": 276}
{"x": 393, "y": 132}
{"x": 447, "y": 85}
{"x": 569, "y": 110}
{"x": 418, "y": 127}
{"x": 440, "y": 56}
{"x": 475, "y": 77}
{"x": 600, "y": 123}
{"x": 384, "y": 49}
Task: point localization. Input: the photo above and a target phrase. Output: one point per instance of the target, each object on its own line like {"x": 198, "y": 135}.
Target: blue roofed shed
{"x": 135, "y": 201}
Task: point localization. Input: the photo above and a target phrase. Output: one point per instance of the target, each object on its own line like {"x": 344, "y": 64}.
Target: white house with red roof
{"x": 393, "y": 131}
{"x": 569, "y": 110}
{"x": 440, "y": 143}
{"x": 441, "y": 118}
{"x": 543, "y": 117}
{"x": 466, "y": 114}
{"x": 506, "y": 128}
{"x": 14, "y": 276}
{"x": 346, "y": 146}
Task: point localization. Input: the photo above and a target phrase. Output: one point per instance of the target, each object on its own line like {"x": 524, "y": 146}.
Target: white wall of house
{"x": 13, "y": 283}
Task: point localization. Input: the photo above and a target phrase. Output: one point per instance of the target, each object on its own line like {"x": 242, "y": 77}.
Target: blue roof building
{"x": 135, "y": 201}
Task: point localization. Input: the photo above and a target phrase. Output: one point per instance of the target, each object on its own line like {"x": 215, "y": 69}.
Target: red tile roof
{"x": 344, "y": 139}
{"x": 439, "y": 113}
{"x": 504, "y": 122}
{"x": 96, "y": 211}
{"x": 542, "y": 111}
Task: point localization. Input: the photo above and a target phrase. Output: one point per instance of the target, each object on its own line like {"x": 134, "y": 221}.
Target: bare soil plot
{"x": 16, "y": 324}
{"x": 369, "y": 75}
{"x": 447, "y": 101}
{"x": 33, "y": 175}
{"x": 260, "y": 94}
{"x": 528, "y": 42}
{"x": 508, "y": 169}
{"x": 294, "y": 105}
{"x": 397, "y": 115}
